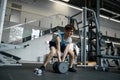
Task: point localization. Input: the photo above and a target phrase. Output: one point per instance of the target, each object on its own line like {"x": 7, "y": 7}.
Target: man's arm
{"x": 58, "y": 48}
{"x": 67, "y": 49}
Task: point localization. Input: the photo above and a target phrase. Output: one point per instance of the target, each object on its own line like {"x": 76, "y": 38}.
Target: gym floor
{"x": 25, "y": 72}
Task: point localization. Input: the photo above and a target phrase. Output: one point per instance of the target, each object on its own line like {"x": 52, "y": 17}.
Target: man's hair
{"x": 69, "y": 27}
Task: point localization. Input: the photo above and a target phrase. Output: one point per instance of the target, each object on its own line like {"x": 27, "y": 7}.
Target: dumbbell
{"x": 60, "y": 67}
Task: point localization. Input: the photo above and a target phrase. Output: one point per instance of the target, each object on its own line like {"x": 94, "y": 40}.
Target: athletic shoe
{"x": 72, "y": 70}
{"x": 42, "y": 68}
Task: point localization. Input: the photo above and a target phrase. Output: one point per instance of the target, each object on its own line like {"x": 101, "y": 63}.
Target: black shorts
{"x": 53, "y": 44}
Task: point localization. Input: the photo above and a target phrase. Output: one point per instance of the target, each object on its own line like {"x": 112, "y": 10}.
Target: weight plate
{"x": 55, "y": 67}
{"x": 63, "y": 67}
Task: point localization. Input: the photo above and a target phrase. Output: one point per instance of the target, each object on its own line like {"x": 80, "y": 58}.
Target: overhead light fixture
{"x": 109, "y": 11}
{"x": 105, "y": 17}
{"x": 62, "y": 3}
{"x": 66, "y": 0}
{"x": 77, "y": 8}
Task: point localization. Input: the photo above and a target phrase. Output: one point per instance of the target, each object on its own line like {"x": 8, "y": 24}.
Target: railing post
{"x": 2, "y": 16}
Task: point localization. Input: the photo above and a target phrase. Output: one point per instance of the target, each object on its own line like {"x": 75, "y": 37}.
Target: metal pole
{"x": 2, "y": 16}
{"x": 97, "y": 31}
{"x": 83, "y": 39}
{"x": 98, "y": 12}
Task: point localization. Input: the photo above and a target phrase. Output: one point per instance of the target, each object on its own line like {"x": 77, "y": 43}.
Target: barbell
{"x": 60, "y": 67}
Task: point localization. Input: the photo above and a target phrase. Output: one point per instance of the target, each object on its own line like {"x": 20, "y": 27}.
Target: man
{"x": 61, "y": 44}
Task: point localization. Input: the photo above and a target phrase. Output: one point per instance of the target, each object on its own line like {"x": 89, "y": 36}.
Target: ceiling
{"x": 109, "y": 8}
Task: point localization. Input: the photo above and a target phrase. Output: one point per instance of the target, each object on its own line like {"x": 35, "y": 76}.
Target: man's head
{"x": 69, "y": 29}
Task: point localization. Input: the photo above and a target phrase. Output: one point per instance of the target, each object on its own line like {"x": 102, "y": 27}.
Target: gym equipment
{"x": 109, "y": 56}
{"x": 7, "y": 59}
{"x": 38, "y": 71}
{"x": 102, "y": 68}
{"x": 60, "y": 67}
{"x": 4, "y": 46}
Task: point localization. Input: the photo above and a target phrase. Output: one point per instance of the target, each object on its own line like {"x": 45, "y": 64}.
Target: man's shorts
{"x": 53, "y": 44}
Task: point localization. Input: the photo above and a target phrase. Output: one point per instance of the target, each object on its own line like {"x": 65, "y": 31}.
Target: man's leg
{"x": 65, "y": 52}
{"x": 48, "y": 57}
{"x": 71, "y": 61}
{"x": 69, "y": 52}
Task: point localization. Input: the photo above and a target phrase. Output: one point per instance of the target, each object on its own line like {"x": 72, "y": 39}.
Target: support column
{"x": 98, "y": 12}
{"x": 83, "y": 38}
{"x": 2, "y": 16}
